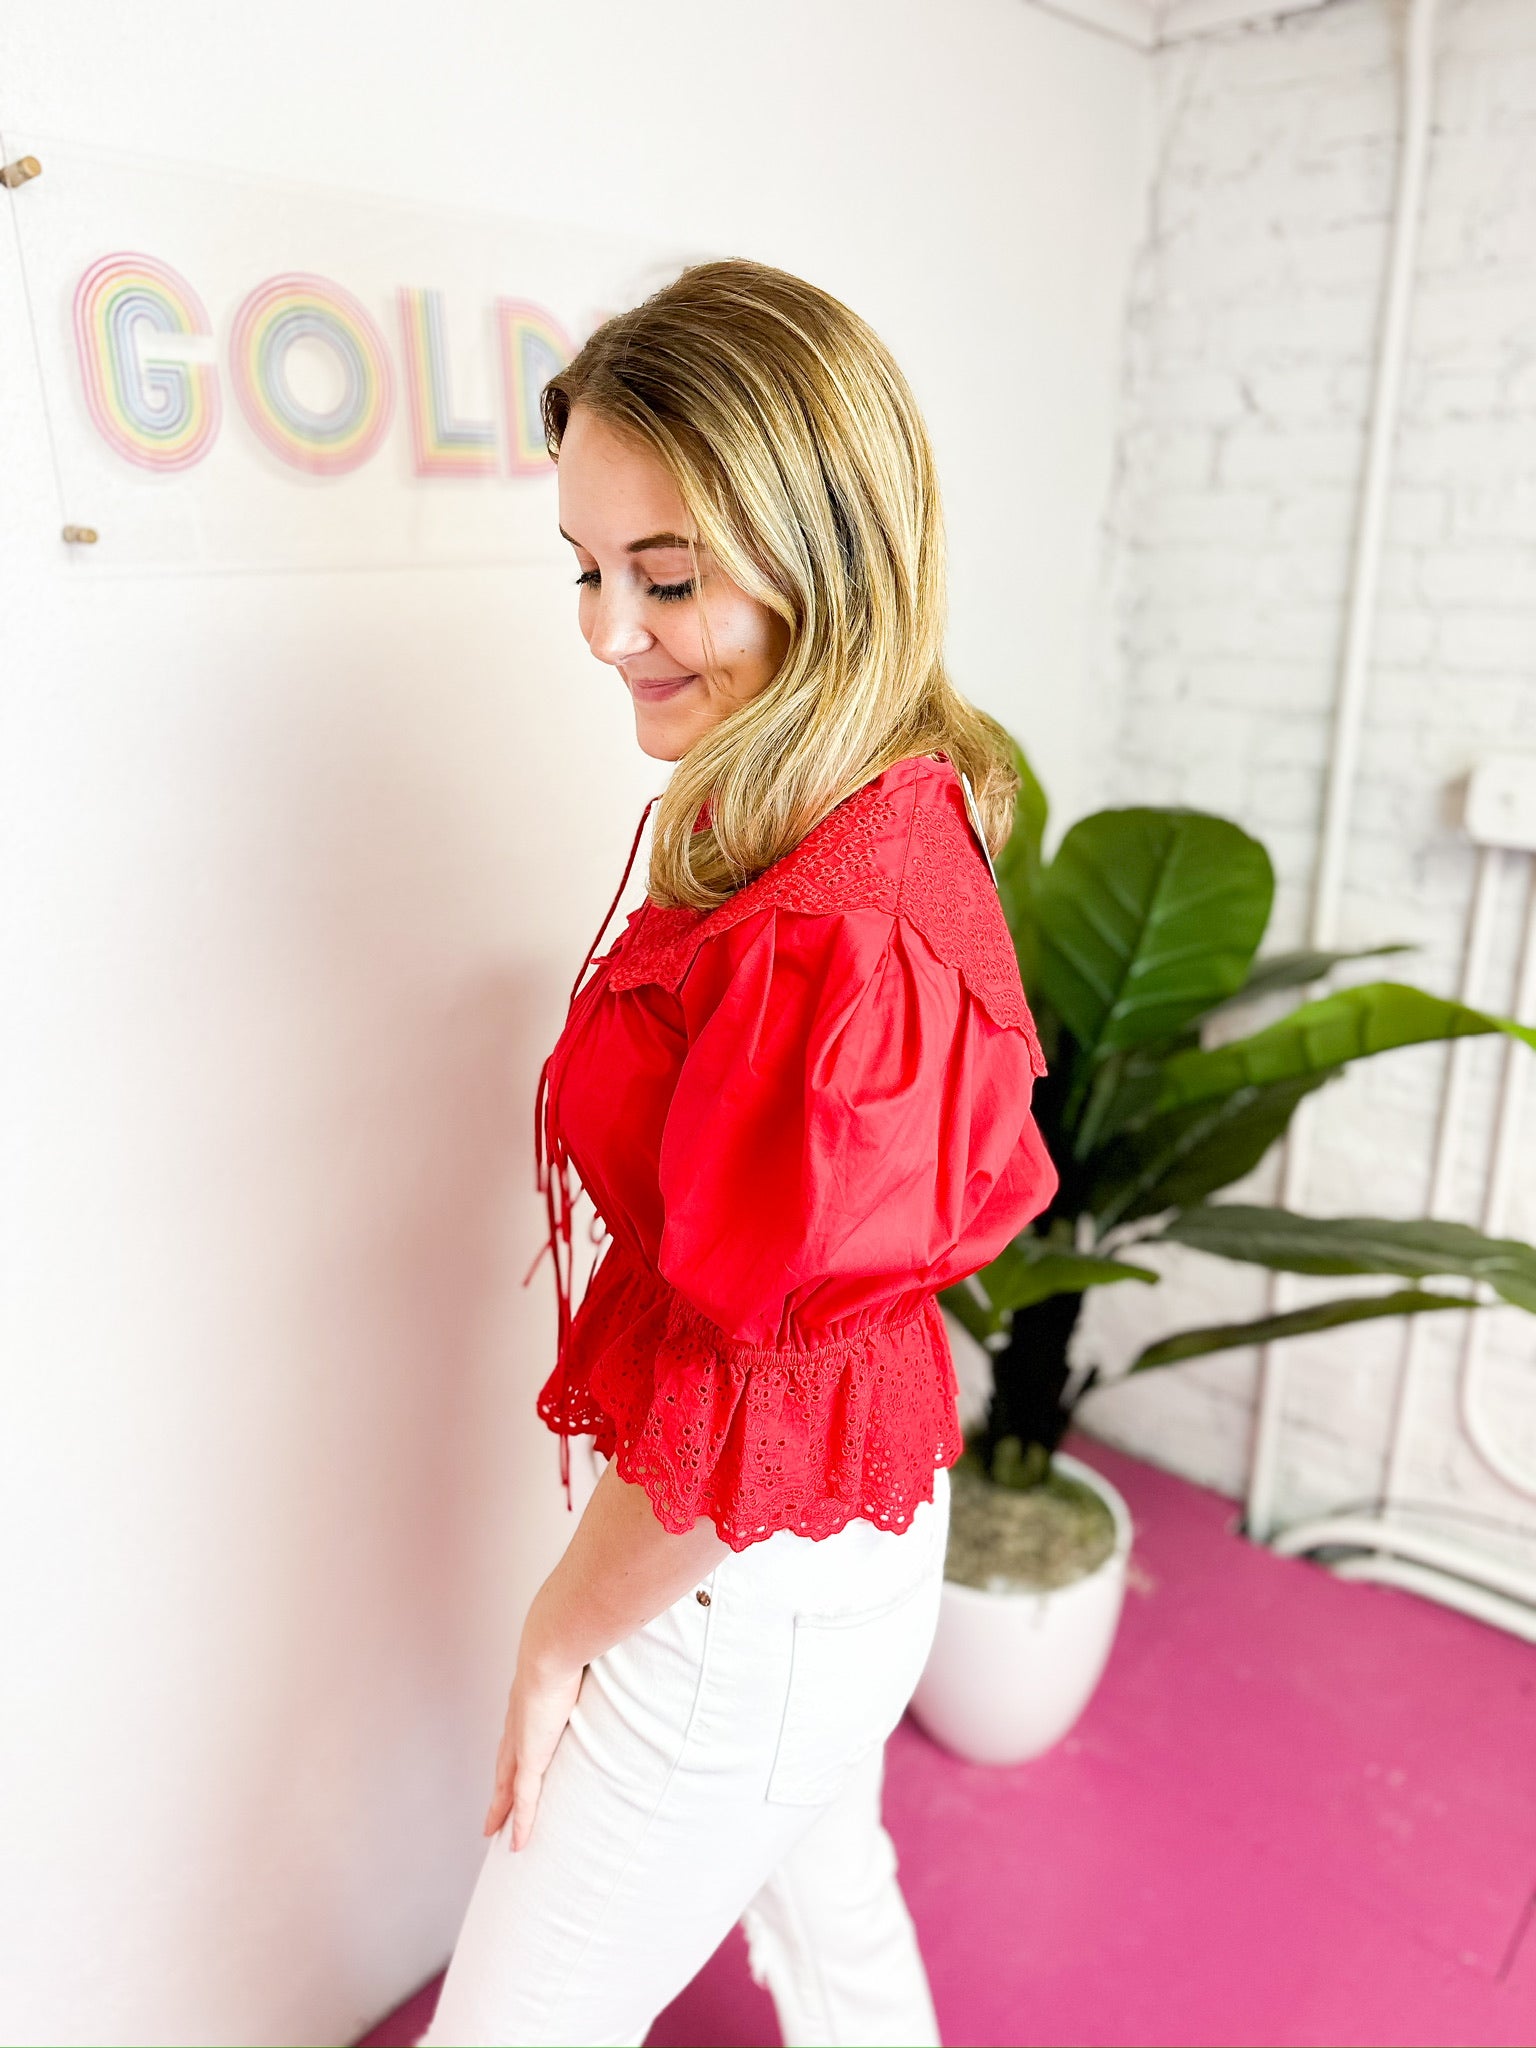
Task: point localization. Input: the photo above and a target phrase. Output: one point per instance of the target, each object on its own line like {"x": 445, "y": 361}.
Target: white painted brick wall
{"x": 1251, "y": 337}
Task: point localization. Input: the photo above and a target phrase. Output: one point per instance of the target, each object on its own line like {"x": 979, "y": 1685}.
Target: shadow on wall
{"x": 335, "y": 1361}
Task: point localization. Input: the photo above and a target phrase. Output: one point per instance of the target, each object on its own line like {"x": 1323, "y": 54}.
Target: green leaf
{"x": 1075, "y": 1273}
{"x": 1179, "y": 1158}
{"x": 1277, "y": 971}
{"x": 1124, "y": 1093}
{"x": 1322, "y": 1315}
{"x": 1146, "y": 918}
{"x": 1350, "y": 1024}
{"x": 1018, "y": 865}
{"x": 1104, "y": 1096}
{"x": 1029, "y": 1270}
{"x": 968, "y": 1304}
{"x": 1288, "y": 1243}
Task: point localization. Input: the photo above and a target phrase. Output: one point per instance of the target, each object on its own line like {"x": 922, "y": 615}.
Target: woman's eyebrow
{"x": 638, "y": 547}
{"x": 657, "y": 540}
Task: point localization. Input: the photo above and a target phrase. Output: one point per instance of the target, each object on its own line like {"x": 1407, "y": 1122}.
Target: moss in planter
{"x": 1006, "y": 1539}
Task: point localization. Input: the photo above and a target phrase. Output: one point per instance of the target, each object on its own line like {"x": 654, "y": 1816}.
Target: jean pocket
{"x": 850, "y": 1678}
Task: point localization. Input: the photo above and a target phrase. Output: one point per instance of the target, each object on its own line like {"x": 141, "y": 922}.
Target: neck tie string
{"x": 552, "y": 1172}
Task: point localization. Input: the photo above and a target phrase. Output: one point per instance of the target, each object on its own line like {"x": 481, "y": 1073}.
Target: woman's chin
{"x": 664, "y": 738}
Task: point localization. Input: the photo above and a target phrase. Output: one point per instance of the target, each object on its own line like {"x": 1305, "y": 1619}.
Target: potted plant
{"x": 1143, "y": 929}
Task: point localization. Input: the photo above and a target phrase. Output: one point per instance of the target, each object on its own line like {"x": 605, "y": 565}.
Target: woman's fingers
{"x": 519, "y": 1797}
{"x": 525, "y": 1800}
{"x": 496, "y": 1812}
{"x": 501, "y": 1791}
{"x": 537, "y": 1713}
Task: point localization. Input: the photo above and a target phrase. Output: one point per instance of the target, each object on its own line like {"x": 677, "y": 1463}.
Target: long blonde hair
{"x": 803, "y": 461}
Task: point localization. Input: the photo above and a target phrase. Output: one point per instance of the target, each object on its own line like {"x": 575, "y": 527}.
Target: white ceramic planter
{"x": 1010, "y": 1672}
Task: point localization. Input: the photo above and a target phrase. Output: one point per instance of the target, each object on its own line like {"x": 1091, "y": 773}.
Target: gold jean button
{"x": 702, "y": 1597}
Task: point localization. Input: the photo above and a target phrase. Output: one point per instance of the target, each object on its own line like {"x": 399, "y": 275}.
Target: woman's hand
{"x": 538, "y": 1707}
{"x": 620, "y": 1569}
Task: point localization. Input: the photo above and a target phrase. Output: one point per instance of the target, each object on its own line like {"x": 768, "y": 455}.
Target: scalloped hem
{"x": 799, "y": 1438}
{"x": 816, "y": 1519}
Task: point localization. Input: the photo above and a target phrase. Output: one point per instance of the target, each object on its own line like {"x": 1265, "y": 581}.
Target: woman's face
{"x": 638, "y": 609}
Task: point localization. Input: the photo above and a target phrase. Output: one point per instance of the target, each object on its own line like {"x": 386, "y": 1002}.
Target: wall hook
{"x": 20, "y": 171}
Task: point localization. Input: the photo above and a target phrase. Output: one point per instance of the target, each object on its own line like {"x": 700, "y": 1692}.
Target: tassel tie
{"x": 553, "y": 1176}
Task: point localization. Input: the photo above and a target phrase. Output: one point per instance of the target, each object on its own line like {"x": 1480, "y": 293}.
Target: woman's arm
{"x": 620, "y": 1570}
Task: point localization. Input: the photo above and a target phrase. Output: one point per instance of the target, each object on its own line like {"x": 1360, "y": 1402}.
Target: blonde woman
{"x": 797, "y": 1090}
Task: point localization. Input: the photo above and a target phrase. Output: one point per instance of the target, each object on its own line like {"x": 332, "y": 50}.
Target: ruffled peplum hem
{"x": 800, "y": 1438}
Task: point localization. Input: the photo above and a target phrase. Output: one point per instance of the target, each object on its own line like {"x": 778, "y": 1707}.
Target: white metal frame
{"x": 1382, "y": 1545}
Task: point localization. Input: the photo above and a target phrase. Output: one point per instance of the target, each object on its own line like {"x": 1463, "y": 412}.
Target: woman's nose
{"x": 619, "y": 632}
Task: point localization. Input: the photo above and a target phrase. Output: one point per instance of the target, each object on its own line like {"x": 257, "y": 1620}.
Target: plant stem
{"x": 1029, "y": 1380}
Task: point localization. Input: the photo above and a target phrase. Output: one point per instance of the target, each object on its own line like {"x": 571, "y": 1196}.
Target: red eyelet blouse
{"x": 798, "y": 1115}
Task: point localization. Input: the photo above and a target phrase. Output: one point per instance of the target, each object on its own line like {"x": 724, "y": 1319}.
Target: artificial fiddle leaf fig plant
{"x": 1144, "y": 927}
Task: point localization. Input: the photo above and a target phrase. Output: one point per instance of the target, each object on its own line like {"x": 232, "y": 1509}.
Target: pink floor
{"x": 1296, "y": 1811}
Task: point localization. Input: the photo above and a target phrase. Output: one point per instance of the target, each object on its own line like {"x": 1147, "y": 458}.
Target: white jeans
{"x": 724, "y": 1762}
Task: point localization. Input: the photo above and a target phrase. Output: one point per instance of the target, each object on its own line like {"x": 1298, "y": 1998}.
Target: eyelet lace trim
{"x": 800, "y": 1438}
{"x": 937, "y": 880}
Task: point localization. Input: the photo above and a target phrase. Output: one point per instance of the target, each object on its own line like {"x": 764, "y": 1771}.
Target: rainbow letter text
{"x": 281, "y": 313}
{"x": 147, "y": 395}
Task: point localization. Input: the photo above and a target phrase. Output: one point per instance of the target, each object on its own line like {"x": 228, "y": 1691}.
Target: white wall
{"x": 296, "y": 870}
{"x": 1253, "y": 326}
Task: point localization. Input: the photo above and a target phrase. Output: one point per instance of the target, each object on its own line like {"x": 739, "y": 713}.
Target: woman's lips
{"x": 655, "y": 688}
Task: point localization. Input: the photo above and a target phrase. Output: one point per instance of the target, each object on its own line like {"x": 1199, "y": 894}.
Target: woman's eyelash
{"x": 669, "y": 593}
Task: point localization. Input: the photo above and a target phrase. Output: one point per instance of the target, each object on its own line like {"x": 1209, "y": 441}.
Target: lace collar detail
{"x": 903, "y": 844}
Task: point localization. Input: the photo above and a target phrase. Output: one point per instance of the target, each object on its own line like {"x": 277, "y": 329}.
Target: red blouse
{"x": 798, "y": 1115}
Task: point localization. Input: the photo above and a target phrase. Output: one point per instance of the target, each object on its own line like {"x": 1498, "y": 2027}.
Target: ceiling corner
{"x": 1147, "y": 24}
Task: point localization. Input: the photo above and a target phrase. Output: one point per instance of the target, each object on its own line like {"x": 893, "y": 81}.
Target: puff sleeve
{"x": 849, "y": 1132}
